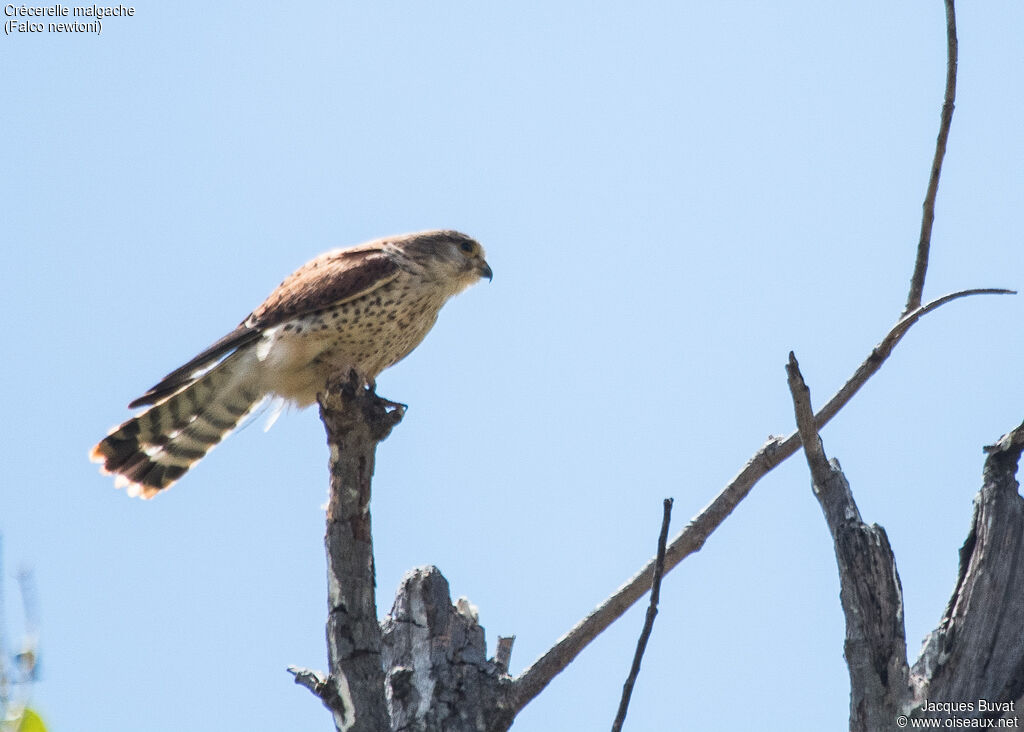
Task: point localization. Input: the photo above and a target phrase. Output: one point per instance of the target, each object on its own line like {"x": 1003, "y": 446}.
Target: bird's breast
{"x": 367, "y": 334}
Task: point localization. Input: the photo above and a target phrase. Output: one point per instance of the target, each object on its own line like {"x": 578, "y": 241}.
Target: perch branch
{"x": 356, "y": 420}
{"x": 928, "y": 213}
{"x": 652, "y": 612}
{"x": 533, "y": 679}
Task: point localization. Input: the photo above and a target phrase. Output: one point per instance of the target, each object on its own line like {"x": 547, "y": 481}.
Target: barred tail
{"x": 151, "y": 451}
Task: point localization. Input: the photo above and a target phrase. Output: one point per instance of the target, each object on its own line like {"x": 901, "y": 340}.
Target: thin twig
{"x": 533, "y": 679}
{"x": 928, "y": 214}
{"x": 883, "y": 350}
{"x": 652, "y": 612}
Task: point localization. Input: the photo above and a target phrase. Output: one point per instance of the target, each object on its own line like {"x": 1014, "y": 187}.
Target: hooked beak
{"x": 485, "y": 270}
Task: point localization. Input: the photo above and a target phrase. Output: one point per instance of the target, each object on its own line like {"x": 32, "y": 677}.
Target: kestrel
{"x": 363, "y": 308}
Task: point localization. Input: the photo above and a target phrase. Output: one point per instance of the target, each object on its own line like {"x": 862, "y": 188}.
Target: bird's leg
{"x": 358, "y": 380}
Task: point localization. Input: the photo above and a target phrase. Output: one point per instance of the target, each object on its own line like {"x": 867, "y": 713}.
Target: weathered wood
{"x": 423, "y": 668}
{"x": 356, "y": 420}
{"x": 870, "y": 591}
{"x": 977, "y": 651}
{"x": 972, "y": 665}
{"x": 438, "y": 674}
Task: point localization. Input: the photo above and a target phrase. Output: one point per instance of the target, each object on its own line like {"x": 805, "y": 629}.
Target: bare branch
{"x": 533, "y": 679}
{"x": 928, "y": 214}
{"x": 884, "y": 349}
{"x": 870, "y": 591}
{"x": 652, "y": 612}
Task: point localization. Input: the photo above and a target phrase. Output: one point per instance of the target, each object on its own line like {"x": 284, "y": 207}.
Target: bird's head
{"x": 448, "y": 257}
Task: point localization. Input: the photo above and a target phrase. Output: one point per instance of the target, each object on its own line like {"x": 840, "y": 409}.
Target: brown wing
{"x": 330, "y": 279}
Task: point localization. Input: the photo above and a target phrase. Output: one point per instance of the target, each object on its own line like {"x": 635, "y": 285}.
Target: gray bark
{"x": 972, "y": 665}
{"x": 438, "y": 675}
{"x": 870, "y": 590}
{"x": 977, "y": 651}
{"x": 356, "y": 420}
{"x": 423, "y": 668}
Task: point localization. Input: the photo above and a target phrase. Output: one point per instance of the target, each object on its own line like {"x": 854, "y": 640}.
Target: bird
{"x": 360, "y": 309}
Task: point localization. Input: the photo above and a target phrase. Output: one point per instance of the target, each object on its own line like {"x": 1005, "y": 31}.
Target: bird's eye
{"x": 467, "y": 247}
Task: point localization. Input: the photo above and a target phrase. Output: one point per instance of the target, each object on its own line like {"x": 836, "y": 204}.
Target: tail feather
{"x": 201, "y": 364}
{"x": 151, "y": 451}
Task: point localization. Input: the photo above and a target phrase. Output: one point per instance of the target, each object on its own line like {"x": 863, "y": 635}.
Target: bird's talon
{"x": 388, "y": 404}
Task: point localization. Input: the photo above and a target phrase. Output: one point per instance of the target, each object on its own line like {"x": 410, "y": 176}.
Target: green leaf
{"x": 31, "y": 722}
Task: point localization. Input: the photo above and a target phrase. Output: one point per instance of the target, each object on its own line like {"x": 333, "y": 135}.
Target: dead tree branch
{"x": 356, "y": 420}
{"x": 775, "y": 450}
{"x": 977, "y": 651}
{"x": 928, "y": 213}
{"x": 533, "y": 679}
{"x": 652, "y": 612}
{"x": 972, "y": 665}
{"x": 870, "y": 590}
{"x": 424, "y": 668}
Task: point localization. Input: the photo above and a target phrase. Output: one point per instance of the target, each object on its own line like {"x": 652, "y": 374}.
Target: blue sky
{"x": 672, "y": 197}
